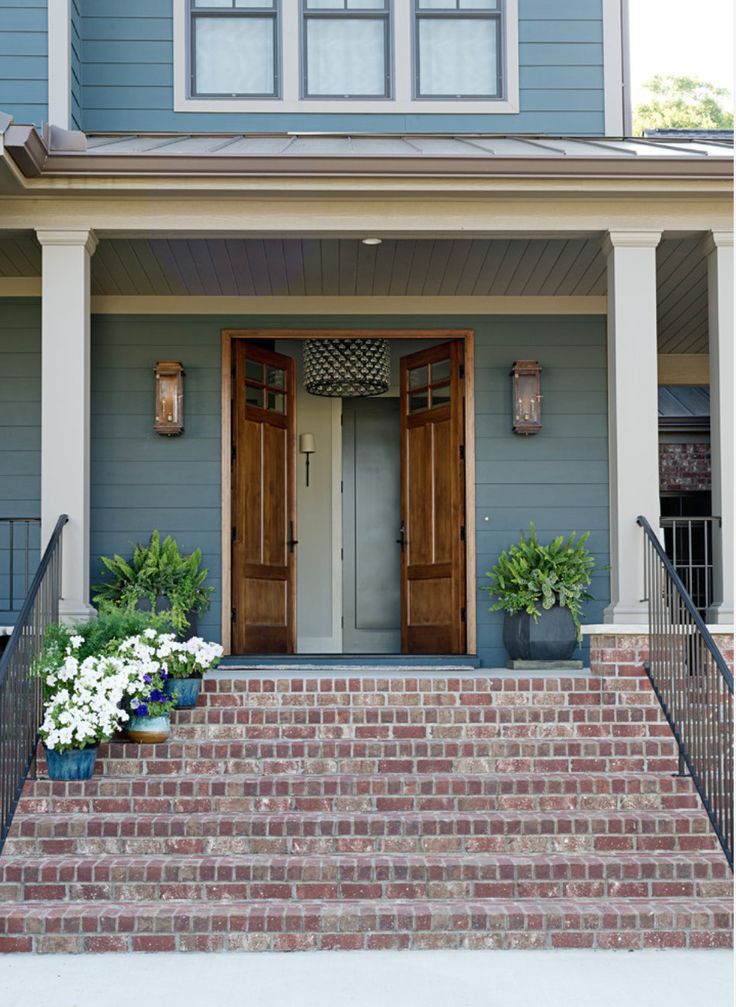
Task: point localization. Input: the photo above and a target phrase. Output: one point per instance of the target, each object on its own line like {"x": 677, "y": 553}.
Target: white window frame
{"x": 402, "y": 100}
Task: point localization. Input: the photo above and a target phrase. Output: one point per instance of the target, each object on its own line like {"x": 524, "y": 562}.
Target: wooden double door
{"x": 430, "y": 530}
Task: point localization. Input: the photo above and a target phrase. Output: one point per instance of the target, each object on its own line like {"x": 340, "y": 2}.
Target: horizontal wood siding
{"x": 127, "y": 72}
{"x": 24, "y": 60}
{"x": 20, "y": 437}
{"x": 558, "y": 479}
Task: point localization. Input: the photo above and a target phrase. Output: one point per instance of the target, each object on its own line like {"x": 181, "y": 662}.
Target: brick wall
{"x": 624, "y": 654}
{"x": 684, "y": 467}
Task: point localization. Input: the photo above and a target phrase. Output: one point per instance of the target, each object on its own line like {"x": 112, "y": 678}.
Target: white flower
{"x": 77, "y": 641}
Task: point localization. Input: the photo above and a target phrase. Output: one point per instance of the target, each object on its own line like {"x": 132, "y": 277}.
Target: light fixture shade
{"x": 347, "y": 368}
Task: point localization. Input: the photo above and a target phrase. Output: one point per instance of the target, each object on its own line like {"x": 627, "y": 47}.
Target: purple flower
{"x": 147, "y": 679}
{"x": 141, "y": 710}
{"x": 156, "y": 696}
{"x": 164, "y": 673}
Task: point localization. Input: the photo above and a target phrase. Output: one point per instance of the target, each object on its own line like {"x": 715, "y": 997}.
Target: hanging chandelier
{"x": 347, "y": 368}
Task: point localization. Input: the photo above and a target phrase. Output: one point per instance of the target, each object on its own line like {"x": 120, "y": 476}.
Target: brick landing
{"x": 483, "y": 811}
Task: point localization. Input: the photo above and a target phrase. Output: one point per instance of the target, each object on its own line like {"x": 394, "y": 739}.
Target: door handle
{"x": 292, "y": 541}
{"x": 401, "y": 540}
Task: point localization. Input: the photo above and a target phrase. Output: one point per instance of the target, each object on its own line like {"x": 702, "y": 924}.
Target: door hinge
{"x": 233, "y": 453}
{"x": 461, "y": 371}
{"x": 233, "y": 533}
{"x": 462, "y": 452}
{"x": 232, "y": 371}
{"x": 342, "y": 622}
{"x": 462, "y": 532}
{"x": 342, "y": 554}
{"x": 233, "y": 614}
{"x": 342, "y": 486}
{"x": 462, "y": 615}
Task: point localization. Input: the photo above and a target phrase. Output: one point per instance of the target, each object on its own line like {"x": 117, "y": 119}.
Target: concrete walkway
{"x": 372, "y": 979}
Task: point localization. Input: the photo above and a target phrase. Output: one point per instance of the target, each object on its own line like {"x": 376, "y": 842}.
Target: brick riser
{"x": 289, "y": 814}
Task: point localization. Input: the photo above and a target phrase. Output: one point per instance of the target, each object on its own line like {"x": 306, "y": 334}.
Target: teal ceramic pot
{"x": 148, "y": 730}
{"x": 184, "y": 690}
{"x": 74, "y": 764}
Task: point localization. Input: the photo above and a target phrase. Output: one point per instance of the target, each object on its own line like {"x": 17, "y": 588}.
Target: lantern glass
{"x": 169, "y": 398}
{"x": 527, "y": 397}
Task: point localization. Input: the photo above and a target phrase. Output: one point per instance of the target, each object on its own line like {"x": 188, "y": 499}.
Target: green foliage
{"x": 155, "y": 570}
{"x": 683, "y": 103}
{"x": 530, "y": 574}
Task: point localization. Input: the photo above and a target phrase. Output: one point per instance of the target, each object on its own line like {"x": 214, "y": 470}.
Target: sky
{"x": 684, "y": 38}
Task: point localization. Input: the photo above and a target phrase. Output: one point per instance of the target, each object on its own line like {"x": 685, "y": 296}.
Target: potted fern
{"x": 541, "y": 589}
{"x": 158, "y": 578}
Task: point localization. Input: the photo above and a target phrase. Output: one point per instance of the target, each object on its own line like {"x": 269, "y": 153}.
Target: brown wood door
{"x": 263, "y": 510}
{"x": 433, "y": 502}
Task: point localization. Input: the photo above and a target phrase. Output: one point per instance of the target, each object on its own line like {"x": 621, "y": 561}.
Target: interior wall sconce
{"x": 526, "y": 383}
{"x": 306, "y": 447}
{"x": 169, "y": 398}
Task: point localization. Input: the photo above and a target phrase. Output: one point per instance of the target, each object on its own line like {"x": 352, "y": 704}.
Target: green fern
{"x": 531, "y": 574}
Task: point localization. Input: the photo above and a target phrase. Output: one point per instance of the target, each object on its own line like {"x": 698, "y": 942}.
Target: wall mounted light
{"x": 169, "y": 398}
{"x": 526, "y": 384}
{"x": 306, "y": 447}
{"x": 372, "y": 241}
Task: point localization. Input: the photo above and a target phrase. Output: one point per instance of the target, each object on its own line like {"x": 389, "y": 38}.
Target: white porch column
{"x": 633, "y": 436}
{"x": 721, "y": 337}
{"x": 65, "y": 406}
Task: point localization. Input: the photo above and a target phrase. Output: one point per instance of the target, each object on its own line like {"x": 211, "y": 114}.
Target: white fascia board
{"x": 613, "y": 67}
{"x": 60, "y": 63}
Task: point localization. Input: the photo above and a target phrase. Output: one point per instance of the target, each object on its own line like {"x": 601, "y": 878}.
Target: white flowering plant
{"x": 149, "y": 652}
{"x": 192, "y": 658}
{"x": 84, "y": 697}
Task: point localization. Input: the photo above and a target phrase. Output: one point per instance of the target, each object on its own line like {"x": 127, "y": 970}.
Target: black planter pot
{"x": 551, "y": 637}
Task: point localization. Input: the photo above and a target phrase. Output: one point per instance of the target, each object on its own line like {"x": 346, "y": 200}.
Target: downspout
{"x": 628, "y": 116}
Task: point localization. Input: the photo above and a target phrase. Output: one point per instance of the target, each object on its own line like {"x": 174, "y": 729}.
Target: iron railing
{"x": 693, "y": 684}
{"x": 20, "y": 689}
{"x": 19, "y": 552}
{"x": 688, "y": 541}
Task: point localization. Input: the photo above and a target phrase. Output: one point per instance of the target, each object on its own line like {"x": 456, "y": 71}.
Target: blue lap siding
{"x": 141, "y": 481}
{"x": 24, "y": 60}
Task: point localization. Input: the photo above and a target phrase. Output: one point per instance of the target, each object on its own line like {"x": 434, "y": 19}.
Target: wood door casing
{"x": 433, "y": 501}
{"x": 264, "y": 502}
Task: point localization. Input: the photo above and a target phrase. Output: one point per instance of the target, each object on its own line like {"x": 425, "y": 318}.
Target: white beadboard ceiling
{"x": 460, "y": 268}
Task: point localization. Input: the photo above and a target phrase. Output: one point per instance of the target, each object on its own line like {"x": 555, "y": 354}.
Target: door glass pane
{"x": 441, "y": 371}
{"x": 275, "y": 402}
{"x": 418, "y": 401}
{"x": 234, "y": 55}
{"x": 346, "y": 57}
{"x": 275, "y": 377}
{"x": 254, "y": 371}
{"x": 479, "y": 4}
{"x": 440, "y": 395}
{"x": 254, "y": 396}
{"x": 458, "y": 56}
{"x": 419, "y": 377}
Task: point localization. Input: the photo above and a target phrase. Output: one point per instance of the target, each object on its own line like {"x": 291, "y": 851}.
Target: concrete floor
{"x": 372, "y": 979}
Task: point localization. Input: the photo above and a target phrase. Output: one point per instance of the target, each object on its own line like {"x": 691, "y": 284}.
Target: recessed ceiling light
{"x": 371, "y": 241}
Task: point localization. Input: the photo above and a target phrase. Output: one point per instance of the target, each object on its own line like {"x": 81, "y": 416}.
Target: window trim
{"x": 402, "y": 101}
{"x": 198, "y": 13}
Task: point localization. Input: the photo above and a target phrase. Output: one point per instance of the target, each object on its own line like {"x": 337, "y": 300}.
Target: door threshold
{"x": 350, "y": 662}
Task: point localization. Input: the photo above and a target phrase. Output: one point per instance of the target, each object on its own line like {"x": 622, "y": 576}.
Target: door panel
{"x": 264, "y": 512}
{"x": 433, "y": 501}
{"x": 371, "y": 564}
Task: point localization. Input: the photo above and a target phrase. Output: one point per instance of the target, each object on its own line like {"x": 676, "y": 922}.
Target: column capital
{"x": 69, "y": 238}
{"x": 630, "y": 239}
{"x": 717, "y": 239}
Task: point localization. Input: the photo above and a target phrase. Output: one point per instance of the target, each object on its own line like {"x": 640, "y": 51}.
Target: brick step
{"x": 259, "y": 878}
{"x": 250, "y": 926}
{"x": 439, "y": 731}
{"x": 344, "y": 793}
{"x": 390, "y": 832}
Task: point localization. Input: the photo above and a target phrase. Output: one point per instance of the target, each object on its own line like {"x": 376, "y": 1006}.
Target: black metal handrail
{"x": 16, "y": 562}
{"x": 693, "y": 684}
{"x": 688, "y": 541}
{"x": 20, "y": 689}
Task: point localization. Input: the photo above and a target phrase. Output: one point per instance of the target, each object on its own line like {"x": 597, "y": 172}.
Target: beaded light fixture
{"x": 347, "y": 368}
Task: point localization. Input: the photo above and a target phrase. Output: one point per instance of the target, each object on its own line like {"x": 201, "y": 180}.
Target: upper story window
{"x": 402, "y": 56}
{"x": 234, "y": 45}
{"x": 346, "y": 48}
{"x": 458, "y": 52}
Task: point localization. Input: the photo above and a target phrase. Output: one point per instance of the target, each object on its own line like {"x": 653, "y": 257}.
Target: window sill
{"x": 348, "y": 106}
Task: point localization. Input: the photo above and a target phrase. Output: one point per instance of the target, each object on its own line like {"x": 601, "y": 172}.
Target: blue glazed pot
{"x": 184, "y": 690}
{"x": 148, "y": 730}
{"x": 75, "y": 764}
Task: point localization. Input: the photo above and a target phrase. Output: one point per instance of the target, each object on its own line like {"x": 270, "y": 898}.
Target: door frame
{"x": 467, "y": 336}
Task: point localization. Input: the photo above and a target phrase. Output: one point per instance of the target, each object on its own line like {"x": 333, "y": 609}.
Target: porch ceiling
{"x": 411, "y": 267}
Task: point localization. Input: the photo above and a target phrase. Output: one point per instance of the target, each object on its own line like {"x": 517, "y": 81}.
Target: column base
{"x": 75, "y": 611}
{"x": 720, "y": 615}
{"x": 627, "y": 615}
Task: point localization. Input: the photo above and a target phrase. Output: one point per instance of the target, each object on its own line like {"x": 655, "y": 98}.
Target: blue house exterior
{"x": 206, "y": 193}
